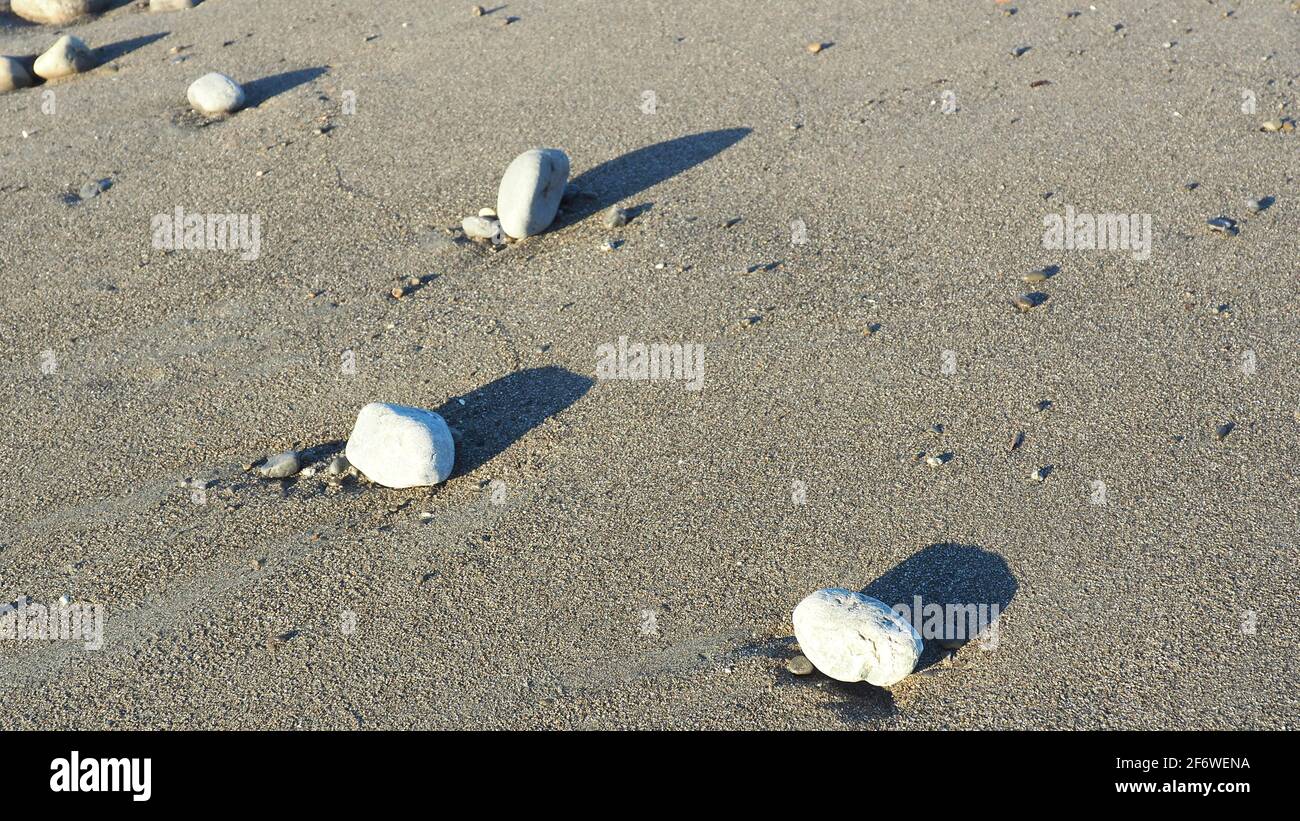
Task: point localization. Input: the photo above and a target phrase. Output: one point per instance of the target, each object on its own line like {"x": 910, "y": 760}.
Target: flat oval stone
{"x": 799, "y": 666}
{"x": 13, "y": 75}
{"x": 852, "y": 637}
{"x": 69, "y": 55}
{"x": 399, "y": 446}
{"x": 215, "y": 94}
{"x": 280, "y": 466}
{"x": 482, "y": 228}
{"x": 170, "y": 5}
{"x": 56, "y": 12}
{"x": 531, "y": 190}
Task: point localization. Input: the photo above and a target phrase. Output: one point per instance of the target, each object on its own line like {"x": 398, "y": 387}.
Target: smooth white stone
{"x": 530, "y": 191}
{"x": 56, "y": 12}
{"x": 852, "y": 637}
{"x": 69, "y": 55}
{"x": 482, "y": 228}
{"x": 170, "y": 5}
{"x": 215, "y": 94}
{"x": 398, "y": 446}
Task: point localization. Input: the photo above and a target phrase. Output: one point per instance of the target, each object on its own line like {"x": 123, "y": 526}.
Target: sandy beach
{"x": 835, "y": 204}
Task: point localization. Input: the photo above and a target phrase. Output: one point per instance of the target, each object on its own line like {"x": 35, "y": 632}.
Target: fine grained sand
{"x": 627, "y": 554}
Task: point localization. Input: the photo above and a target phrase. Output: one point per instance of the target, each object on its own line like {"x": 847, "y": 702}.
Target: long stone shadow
{"x": 111, "y": 51}
{"x": 629, "y": 174}
{"x": 257, "y": 92}
{"x": 498, "y": 414}
{"x": 947, "y": 574}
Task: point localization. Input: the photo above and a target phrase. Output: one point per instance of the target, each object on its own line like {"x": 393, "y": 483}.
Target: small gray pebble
{"x": 92, "y": 189}
{"x": 799, "y": 666}
{"x": 339, "y": 465}
{"x": 1223, "y": 225}
{"x": 616, "y": 217}
{"x": 280, "y": 466}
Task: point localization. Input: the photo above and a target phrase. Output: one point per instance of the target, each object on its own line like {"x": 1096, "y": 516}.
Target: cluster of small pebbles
{"x": 211, "y": 95}
{"x": 1282, "y": 124}
{"x": 1025, "y": 303}
{"x": 939, "y": 458}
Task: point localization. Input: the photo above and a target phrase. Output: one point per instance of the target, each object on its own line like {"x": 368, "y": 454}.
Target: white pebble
{"x": 852, "y": 637}
{"x": 530, "y": 191}
{"x": 215, "y": 94}
{"x": 56, "y": 12}
{"x": 482, "y": 228}
{"x": 69, "y": 55}
{"x": 398, "y": 446}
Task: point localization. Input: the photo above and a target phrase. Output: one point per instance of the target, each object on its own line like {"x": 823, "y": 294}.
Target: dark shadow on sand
{"x": 111, "y": 51}
{"x": 626, "y": 176}
{"x": 13, "y": 21}
{"x": 498, "y": 414}
{"x": 259, "y": 91}
{"x": 943, "y": 574}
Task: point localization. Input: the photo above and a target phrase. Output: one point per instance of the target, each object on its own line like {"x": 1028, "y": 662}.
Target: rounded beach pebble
{"x": 170, "y": 5}
{"x": 482, "y": 228}
{"x": 13, "y": 75}
{"x": 280, "y": 466}
{"x": 852, "y": 637}
{"x": 215, "y": 94}
{"x": 530, "y": 191}
{"x": 69, "y": 55}
{"x": 56, "y": 12}
{"x": 398, "y": 446}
